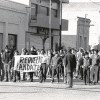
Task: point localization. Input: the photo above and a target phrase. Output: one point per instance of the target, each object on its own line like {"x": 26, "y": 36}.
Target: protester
{"x": 56, "y": 64}
{"x": 32, "y": 52}
{"x": 61, "y": 54}
{"x": 94, "y": 68}
{"x": 70, "y": 65}
{"x": 6, "y": 62}
{"x": 79, "y": 70}
{"x": 49, "y": 57}
{"x": 59, "y": 63}
{"x": 86, "y": 68}
{"x": 43, "y": 68}
{"x": 23, "y": 74}
{"x": 16, "y": 74}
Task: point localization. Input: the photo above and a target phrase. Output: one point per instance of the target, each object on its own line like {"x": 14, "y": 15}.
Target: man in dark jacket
{"x": 70, "y": 65}
{"x": 6, "y": 61}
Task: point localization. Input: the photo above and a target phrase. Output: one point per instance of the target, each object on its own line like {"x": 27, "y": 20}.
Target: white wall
{"x": 13, "y": 22}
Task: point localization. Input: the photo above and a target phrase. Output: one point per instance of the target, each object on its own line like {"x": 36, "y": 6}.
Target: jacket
{"x": 70, "y": 62}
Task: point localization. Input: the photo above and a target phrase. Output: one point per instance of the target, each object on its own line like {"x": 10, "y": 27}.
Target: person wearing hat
{"x": 70, "y": 65}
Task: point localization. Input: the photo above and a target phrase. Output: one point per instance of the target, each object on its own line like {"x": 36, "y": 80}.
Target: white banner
{"x": 27, "y": 63}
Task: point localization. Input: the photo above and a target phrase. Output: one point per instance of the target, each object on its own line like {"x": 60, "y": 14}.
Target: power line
{"x": 95, "y": 3}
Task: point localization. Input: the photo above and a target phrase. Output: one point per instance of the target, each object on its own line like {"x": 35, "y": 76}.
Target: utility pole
{"x": 50, "y": 34}
{"x": 60, "y": 24}
{"x": 84, "y": 32}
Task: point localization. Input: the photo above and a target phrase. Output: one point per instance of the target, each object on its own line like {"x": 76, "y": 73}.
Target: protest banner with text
{"x": 27, "y": 63}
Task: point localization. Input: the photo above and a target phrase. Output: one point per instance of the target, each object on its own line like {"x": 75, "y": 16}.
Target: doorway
{"x": 12, "y": 41}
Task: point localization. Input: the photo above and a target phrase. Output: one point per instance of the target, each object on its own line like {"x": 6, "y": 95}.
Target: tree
{"x": 44, "y": 34}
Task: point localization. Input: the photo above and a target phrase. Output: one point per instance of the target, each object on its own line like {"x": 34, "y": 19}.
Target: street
{"x": 48, "y": 91}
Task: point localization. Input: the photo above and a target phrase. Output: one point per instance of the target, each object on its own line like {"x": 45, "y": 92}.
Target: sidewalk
{"x": 48, "y": 91}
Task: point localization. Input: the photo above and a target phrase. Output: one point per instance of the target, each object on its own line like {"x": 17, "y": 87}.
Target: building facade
{"x": 81, "y": 39}
{"x": 69, "y": 41}
{"x": 23, "y": 26}
{"x": 13, "y": 24}
{"x": 38, "y": 34}
{"x": 83, "y": 25}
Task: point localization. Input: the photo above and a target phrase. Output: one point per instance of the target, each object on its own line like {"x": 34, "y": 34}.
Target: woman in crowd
{"x": 16, "y": 74}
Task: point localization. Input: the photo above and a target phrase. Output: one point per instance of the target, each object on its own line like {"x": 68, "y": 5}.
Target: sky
{"x": 94, "y": 30}
{"x": 71, "y": 12}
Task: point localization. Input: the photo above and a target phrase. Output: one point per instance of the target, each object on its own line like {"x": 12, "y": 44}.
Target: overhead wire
{"x": 94, "y": 2}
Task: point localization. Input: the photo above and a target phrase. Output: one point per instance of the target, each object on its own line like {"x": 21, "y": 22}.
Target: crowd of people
{"x": 65, "y": 64}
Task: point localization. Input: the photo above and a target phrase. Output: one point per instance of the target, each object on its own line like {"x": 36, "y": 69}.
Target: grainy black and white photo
{"x": 49, "y": 49}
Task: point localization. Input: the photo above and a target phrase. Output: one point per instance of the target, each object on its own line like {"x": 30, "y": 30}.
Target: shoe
{"x": 69, "y": 87}
{"x": 52, "y": 81}
{"x": 65, "y": 82}
{"x": 41, "y": 81}
{"x": 94, "y": 83}
{"x": 31, "y": 80}
{"x": 14, "y": 81}
{"x": 58, "y": 82}
{"x": 4, "y": 80}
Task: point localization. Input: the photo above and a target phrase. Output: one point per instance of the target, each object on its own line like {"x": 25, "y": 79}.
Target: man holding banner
{"x": 28, "y": 63}
{"x": 32, "y": 52}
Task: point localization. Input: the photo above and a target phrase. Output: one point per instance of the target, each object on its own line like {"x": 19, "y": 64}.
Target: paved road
{"x": 48, "y": 91}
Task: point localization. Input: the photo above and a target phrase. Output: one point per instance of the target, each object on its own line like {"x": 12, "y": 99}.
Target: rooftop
{"x": 12, "y": 5}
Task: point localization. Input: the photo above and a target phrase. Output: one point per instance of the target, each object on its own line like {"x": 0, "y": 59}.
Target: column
{"x": 5, "y": 36}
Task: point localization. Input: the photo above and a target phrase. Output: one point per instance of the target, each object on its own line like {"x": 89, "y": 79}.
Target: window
{"x": 54, "y": 12}
{"x": 44, "y": 10}
{"x": 80, "y": 41}
{"x": 12, "y": 40}
{"x": 85, "y": 42}
{"x": 33, "y": 11}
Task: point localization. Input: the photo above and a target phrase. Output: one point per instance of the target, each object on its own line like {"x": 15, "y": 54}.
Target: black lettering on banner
{"x": 24, "y": 66}
{"x": 17, "y": 67}
{"x": 40, "y": 59}
{"x": 26, "y": 59}
{"x": 21, "y": 59}
{"x": 33, "y": 61}
{"x": 30, "y": 60}
{"x": 36, "y": 60}
{"x": 31, "y": 67}
{"x": 20, "y": 66}
{"x": 27, "y": 67}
